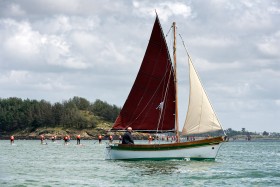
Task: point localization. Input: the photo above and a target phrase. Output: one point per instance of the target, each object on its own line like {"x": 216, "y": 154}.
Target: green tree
{"x": 104, "y": 110}
{"x": 57, "y": 112}
{"x": 265, "y": 133}
{"x": 81, "y": 103}
{"x": 18, "y": 114}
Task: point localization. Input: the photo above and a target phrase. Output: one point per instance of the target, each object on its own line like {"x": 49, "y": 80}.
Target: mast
{"x": 176, "y": 84}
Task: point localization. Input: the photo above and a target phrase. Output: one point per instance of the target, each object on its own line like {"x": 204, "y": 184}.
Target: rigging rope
{"x": 185, "y": 47}
{"x": 164, "y": 100}
{"x": 169, "y": 31}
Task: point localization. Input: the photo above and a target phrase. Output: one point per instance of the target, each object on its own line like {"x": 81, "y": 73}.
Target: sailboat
{"x": 152, "y": 107}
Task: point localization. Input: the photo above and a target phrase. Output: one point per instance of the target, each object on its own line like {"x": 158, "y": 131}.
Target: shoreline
{"x": 104, "y": 131}
{"x": 116, "y": 137}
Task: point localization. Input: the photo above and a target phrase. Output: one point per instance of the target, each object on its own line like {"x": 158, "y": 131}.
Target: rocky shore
{"x": 59, "y": 133}
{"x": 93, "y": 133}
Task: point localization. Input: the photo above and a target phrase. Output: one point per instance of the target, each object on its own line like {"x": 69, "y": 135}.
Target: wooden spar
{"x": 176, "y": 85}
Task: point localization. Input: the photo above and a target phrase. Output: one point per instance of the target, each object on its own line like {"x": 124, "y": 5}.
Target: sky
{"x": 55, "y": 50}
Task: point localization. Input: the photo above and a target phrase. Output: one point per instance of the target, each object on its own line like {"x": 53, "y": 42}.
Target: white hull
{"x": 197, "y": 153}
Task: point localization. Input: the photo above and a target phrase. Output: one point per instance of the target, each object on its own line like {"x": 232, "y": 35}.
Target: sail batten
{"x": 201, "y": 117}
{"x": 154, "y": 84}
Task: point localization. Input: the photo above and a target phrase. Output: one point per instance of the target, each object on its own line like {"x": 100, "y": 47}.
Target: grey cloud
{"x": 54, "y": 50}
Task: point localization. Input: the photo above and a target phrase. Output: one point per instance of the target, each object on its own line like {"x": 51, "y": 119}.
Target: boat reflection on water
{"x": 151, "y": 167}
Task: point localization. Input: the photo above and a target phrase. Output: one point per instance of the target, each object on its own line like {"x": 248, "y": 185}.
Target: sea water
{"x": 28, "y": 163}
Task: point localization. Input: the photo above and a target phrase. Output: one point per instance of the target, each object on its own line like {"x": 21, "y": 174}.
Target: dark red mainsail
{"x": 150, "y": 106}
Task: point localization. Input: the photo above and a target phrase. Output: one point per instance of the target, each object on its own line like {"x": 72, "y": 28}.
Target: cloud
{"x": 269, "y": 45}
{"x": 20, "y": 39}
{"x": 15, "y": 77}
{"x": 33, "y": 47}
{"x": 213, "y": 41}
{"x": 53, "y": 83}
{"x": 164, "y": 9}
{"x": 54, "y": 50}
{"x": 15, "y": 10}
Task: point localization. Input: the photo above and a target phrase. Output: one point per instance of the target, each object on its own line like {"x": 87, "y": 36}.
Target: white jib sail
{"x": 201, "y": 117}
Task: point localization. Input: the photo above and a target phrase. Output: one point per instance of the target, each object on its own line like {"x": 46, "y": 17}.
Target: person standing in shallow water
{"x": 78, "y": 139}
{"x": 42, "y": 138}
{"x": 12, "y": 139}
{"x": 65, "y": 140}
{"x": 99, "y": 138}
{"x": 111, "y": 139}
{"x": 127, "y": 137}
{"x": 150, "y": 139}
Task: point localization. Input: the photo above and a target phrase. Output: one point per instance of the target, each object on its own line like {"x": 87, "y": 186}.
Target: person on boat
{"x": 127, "y": 137}
{"x": 12, "y": 139}
{"x": 99, "y": 138}
{"x": 53, "y": 139}
{"x": 120, "y": 139}
{"x": 78, "y": 139}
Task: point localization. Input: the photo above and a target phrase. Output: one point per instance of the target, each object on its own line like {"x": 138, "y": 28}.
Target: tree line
{"x": 230, "y": 132}
{"x": 77, "y": 112}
